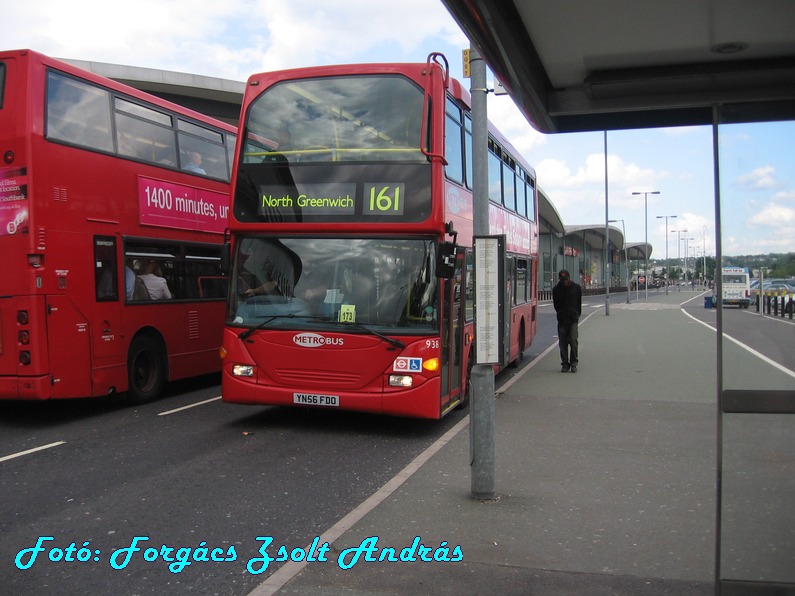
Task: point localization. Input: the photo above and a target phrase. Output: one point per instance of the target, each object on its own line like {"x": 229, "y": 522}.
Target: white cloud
{"x": 761, "y": 178}
{"x": 774, "y": 215}
{"x": 513, "y": 125}
{"x": 554, "y": 174}
{"x": 679, "y": 131}
{"x": 229, "y": 39}
{"x": 306, "y": 32}
{"x": 621, "y": 173}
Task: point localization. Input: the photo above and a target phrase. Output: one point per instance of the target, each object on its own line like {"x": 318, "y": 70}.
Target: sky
{"x": 235, "y": 38}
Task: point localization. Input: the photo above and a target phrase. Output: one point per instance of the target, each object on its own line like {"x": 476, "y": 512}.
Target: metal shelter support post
{"x": 482, "y": 408}
{"x": 607, "y": 241}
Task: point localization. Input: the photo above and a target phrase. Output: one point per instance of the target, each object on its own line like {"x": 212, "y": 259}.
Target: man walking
{"x": 567, "y": 299}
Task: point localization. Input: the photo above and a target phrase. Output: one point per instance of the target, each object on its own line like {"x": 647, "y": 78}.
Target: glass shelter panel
{"x": 757, "y": 520}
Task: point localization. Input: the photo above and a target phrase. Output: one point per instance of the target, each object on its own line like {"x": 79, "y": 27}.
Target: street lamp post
{"x": 667, "y": 264}
{"x": 679, "y": 249}
{"x": 704, "y": 263}
{"x": 626, "y": 262}
{"x": 646, "y": 240}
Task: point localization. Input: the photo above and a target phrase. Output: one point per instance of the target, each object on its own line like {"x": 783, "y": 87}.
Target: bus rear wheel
{"x": 467, "y": 395}
{"x": 146, "y": 370}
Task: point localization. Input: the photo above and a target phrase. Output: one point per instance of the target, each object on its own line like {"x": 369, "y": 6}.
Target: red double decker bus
{"x": 112, "y": 211}
{"x": 350, "y": 183}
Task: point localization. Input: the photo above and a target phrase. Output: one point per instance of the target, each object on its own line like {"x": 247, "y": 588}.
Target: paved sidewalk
{"x": 605, "y": 478}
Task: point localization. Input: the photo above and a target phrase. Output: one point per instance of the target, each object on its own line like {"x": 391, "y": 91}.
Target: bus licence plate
{"x": 315, "y": 399}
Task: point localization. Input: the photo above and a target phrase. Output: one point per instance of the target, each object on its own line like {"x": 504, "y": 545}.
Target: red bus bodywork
{"x": 286, "y": 356}
{"x": 68, "y": 212}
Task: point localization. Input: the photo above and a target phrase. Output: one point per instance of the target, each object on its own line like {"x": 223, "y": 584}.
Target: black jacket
{"x": 568, "y": 302}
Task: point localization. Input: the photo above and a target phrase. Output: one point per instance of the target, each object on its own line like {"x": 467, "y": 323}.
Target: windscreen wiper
{"x": 391, "y": 340}
{"x": 259, "y": 326}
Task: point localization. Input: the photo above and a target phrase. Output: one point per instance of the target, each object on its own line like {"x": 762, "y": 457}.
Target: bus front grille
{"x": 318, "y": 378}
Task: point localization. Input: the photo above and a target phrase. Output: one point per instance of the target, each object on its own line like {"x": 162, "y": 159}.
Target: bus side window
{"x": 78, "y": 113}
{"x": 144, "y": 133}
{"x": 202, "y": 151}
{"x": 105, "y": 269}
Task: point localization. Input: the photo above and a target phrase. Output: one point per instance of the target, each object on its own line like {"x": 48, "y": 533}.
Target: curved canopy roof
{"x": 581, "y": 66}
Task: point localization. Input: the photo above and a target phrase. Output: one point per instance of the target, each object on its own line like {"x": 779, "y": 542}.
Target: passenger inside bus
{"x": 194, "y": 162}
{"x": 154, "y": 281}
{"x": 129, "y": 279}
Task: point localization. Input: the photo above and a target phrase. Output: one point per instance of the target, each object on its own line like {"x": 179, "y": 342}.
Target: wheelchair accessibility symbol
{"x": 404, "y": 364}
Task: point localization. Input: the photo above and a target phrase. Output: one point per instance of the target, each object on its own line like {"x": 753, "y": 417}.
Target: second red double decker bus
{"x": 112, "y": 212}
{"x": 348, "y": 181}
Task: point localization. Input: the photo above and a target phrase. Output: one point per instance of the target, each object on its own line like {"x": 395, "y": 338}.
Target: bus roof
{"x": 111, "y": 84}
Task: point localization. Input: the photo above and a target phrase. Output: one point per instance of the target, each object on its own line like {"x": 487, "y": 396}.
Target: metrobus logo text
{"x": 315, "y": 340}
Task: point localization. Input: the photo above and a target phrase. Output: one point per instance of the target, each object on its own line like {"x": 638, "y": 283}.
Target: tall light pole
{"x": 679, "y": 248}
{"x": 704, "y": 252}
{"x": 667, "y": 264}
{"x": 626, "y": 262}
{"x": 687, "y": 256}
{"x": 646, "y": 240}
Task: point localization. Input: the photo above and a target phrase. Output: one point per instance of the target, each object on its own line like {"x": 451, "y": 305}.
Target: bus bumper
{"x": 27, "y": 388}
{"x": 413, "y": 403}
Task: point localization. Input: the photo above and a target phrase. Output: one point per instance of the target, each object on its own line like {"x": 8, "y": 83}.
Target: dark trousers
{"x": 568, "y": 334}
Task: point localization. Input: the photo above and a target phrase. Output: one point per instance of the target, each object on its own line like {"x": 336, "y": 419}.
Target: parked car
{"x": 780, "y": 286}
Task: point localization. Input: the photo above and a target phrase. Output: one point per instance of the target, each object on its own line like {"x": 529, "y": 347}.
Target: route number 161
{"x": 384, "y": 199}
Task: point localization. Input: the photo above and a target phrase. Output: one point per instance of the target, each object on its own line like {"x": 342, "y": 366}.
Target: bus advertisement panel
{"x": 113, "y": 205}
{"x": 351, "y": 234}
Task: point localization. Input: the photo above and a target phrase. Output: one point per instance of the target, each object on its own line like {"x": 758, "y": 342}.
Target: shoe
{"x": 573, "y": 368}
{"x": 564, "y": 368}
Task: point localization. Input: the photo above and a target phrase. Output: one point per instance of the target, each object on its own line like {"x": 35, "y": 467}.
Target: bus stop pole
{"x": 482, "y": 408}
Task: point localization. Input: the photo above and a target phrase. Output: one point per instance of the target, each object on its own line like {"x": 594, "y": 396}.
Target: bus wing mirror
{"x": 445, "y": 260}
{"x": 225, "y": 258}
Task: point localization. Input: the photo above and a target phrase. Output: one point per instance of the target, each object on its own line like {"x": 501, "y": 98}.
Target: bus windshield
{"x": 734, "y": 278}
{"x": 372, "y": 285}
{"x": 360, "y": 118}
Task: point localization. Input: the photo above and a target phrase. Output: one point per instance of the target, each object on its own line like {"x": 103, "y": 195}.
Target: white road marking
{"x": 34, "y": 450}
{"x": 189, "y": 406}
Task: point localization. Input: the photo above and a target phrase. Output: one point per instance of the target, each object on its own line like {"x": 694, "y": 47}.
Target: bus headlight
{"x": 400, "y": 381}
{"x": 242, "y": 370}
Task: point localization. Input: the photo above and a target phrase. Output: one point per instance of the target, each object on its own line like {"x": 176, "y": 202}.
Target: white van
{"x": 736, "y": 285}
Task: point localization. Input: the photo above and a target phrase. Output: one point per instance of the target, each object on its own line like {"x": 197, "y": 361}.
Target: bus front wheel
{"x": 146, "y": 370}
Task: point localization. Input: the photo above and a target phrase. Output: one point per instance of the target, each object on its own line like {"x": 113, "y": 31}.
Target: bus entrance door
{"x": 69, "y": 341}
{"x": 452, "y": 335}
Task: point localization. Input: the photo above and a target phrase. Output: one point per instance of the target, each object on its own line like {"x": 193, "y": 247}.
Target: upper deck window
{"x": 359, "y": 118}
{"x": 78, "y": 113}
{"x": 144, "y": 133}
{"x": 2, "y": 83}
